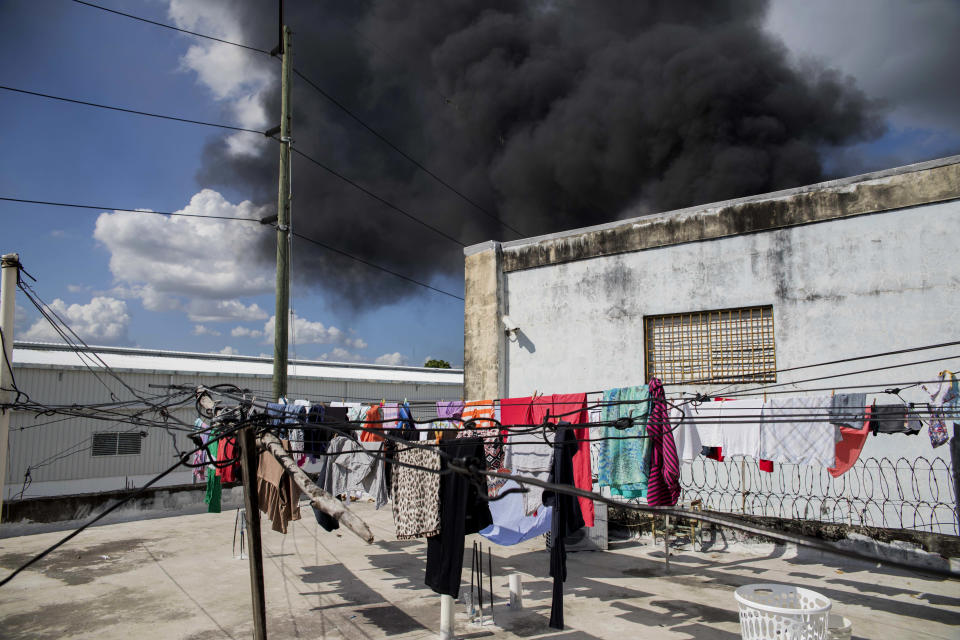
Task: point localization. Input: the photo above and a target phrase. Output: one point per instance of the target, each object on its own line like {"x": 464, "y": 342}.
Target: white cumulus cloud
{"x": 232, "y": 75}
{"x": 355, "y": 343}
{"x": 244, "y": 332}
{"x": 103, "y": 321}
{"x": 305, "y": 331}
{"x": 339, "y": 354}
{"x": 160, "y": 257}
{"x": 229, "y": 351}
{"x": 395, "y": 359}
{"x": 200, "y": 310}
{"x": 201, "y": 330}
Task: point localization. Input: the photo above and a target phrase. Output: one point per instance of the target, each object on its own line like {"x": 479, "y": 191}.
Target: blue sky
{"x": 63, "y": 152}
{"x": 123, "y": 279}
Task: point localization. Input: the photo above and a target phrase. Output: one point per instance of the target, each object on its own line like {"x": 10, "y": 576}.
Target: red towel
{"x": 563, "y": 405}
{"x": 848, "y": 450}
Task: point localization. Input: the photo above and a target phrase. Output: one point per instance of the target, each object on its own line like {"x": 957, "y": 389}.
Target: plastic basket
{"x": 839, "y": 628}
{"x": 781, "y": 612}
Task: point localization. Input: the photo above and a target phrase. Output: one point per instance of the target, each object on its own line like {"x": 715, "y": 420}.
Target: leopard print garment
{"x": 416, "y": 493}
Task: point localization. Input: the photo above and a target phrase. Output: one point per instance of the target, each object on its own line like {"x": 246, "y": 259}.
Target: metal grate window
{"x": 114, "y": 443}
{"x": 731, "y": 345}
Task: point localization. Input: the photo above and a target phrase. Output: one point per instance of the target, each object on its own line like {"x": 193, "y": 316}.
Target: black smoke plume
{"x": 551, "y": 115}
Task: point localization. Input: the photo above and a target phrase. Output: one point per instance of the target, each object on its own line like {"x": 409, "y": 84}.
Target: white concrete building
{"x": 746, "y": 290}
{"x": 64, "y": 456}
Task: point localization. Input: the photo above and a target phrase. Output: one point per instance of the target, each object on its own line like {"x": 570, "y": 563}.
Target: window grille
{"x": 730, "y": 345}
{"x": 114, "y": 443}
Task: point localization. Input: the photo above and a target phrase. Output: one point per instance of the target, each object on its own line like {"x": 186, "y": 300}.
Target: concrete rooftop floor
{"x": 176, "y": 577}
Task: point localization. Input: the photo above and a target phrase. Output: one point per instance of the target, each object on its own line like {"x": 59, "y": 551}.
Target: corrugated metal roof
{"x": 42, "y": 355}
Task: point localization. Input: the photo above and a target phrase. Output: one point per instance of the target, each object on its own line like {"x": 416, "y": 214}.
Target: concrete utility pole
{"x": 10, "y": 264}
{"x": 282, "y": 315}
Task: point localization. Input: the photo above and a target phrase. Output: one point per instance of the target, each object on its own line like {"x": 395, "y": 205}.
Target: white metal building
{"x": 73, "y": 455}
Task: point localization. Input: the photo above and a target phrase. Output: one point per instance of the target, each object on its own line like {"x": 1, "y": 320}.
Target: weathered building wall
{"x": 483, "y": 336}
{"x": 851, "y": 268}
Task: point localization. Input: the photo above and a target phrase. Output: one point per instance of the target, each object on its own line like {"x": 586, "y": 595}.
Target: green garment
{"x": 625, "y": 463}
{"x": 212, "y": 498}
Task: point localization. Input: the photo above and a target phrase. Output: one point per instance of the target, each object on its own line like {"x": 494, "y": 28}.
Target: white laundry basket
{"x": 781, "y": 612}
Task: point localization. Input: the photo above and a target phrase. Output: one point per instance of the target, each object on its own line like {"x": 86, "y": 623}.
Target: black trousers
{"x": 462, "y": 511}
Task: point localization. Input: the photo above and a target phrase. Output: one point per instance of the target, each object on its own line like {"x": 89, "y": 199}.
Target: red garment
{"x": 848, "y": 450}
{"x": 540, "y": 408}
{"x": 565, "y": 403}
{"x": 226, "y": 450}
{"x": 766, "y": 465}
{"x": 515, "y": 411}
{"x": 534, "y": 411}
{"x": 371, "y": 425}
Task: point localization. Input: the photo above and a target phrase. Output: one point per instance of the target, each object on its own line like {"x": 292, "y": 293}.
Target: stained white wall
{"x": 841, "y": 288}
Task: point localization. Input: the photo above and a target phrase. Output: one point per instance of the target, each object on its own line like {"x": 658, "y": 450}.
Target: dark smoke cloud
{"x": 551, "y": 114}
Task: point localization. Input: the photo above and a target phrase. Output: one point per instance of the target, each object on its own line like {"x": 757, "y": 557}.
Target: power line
{"x": 334, "y": 101}
{"x": 171, "y": 27}
{"x": 125, "y": 110}
{"x": 375, "y": 266}
{"x": 390, "y": 144}
{"x": 377, "y": 198}
{"x": 198, "y": 215}
{"x": 323, "y": 166}
{"x": 840, "y": 361}
{"x": 122, "y": 210}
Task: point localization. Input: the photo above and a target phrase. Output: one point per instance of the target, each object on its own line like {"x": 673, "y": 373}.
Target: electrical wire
{"x": 123, "y": 210}
{"x": 131, "y": 111}
{"x": 383, "y": 201}
{"x": 474, "y": 470}
{"x": 109, "y": 510}
{"x": 327, "y": 96}
{"x": 827, "y": 363}
{"x": 400, "y": 151}
{"x": 378, "y": 267}
{"x": 323, "y": 245}
{"x": 172, "y": 28}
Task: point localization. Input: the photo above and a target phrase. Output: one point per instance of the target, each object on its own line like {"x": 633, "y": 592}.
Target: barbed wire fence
{"x": 917, "y": 494}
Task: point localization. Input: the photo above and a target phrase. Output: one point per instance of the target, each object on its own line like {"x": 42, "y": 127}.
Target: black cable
{"x": 171, "y": 27}
{"x": 326, "y": 95}
{"x": 390, "y": 144}
{"x": 110, "y": 509}
{"x": 842, "y": 375}
{"x": 375, "y": 266}
{"x": 132, "y": 111}
{"x": 729, "y": 522}
{"x": 122, "y": 210}
{"x": 197, "y": 215}
{"x": 831, "y": 362}
{"x": 376, "y": 197}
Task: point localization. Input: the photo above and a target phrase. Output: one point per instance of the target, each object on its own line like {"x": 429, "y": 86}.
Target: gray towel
{"x": 848, "y": 409}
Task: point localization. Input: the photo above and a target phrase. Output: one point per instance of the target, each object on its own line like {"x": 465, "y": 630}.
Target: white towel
{"x": 707, "y": 418}
{"x": 796, "y": 431}
{"x": 686, "y": 435}
{"x": 740, "y": 428}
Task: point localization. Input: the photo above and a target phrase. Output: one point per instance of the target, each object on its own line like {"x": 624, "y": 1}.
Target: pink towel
{"x": 663, "y": 485}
